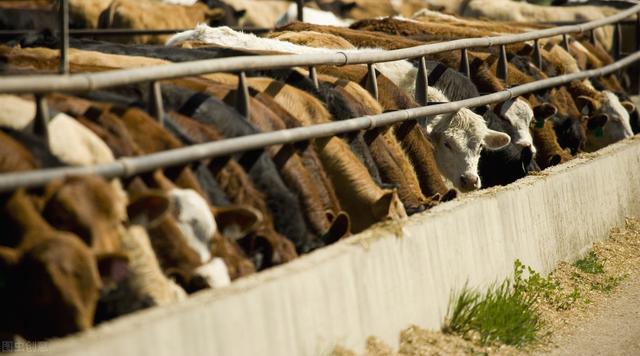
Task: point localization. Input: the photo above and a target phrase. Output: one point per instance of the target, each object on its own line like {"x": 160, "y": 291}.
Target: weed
{"x": 589, "y": 264}
{"x": 502, "y": 314}
{"x": 607, "y": 285}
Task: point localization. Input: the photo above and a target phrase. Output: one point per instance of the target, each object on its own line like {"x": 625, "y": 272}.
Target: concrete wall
{"x": 389, "y": 277}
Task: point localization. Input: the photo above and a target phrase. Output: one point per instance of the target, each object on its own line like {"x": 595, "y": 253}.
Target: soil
{"x": 591, "y": 314}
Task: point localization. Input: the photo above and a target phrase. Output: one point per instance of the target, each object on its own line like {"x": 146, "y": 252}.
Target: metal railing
{"x": 42, "y": 84}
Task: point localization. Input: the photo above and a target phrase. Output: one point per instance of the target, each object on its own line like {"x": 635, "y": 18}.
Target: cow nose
{"x": 470, "y": 181}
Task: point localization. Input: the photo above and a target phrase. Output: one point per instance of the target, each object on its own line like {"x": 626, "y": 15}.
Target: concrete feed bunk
{"x": 390, "y": 276}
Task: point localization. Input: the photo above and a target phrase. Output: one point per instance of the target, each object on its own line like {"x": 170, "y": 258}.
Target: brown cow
{"x": 148, "y": 14}
{"x": 544, "y": 137}
{"x": 50, "y": 278}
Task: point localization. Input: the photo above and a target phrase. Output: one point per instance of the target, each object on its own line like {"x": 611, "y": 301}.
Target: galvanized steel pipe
{"x": 93, "y": 81}
{"x": 129, "y": 166}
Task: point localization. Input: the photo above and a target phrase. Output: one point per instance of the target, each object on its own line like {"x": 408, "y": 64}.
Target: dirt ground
{"x": 592, "y": 314}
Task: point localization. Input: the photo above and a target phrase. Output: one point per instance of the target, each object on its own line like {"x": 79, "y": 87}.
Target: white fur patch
{"x": 179, "y": 2}
{"x": 195, "y": 220}
{"x": 313, "y": 16}
{"x": 75, "y": 144}
{"x": 402, "y": 73}
{"x": 16, "y": 112}
{"x": 215, "y": 272}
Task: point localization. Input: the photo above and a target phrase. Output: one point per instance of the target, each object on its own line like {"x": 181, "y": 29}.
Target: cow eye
{"x": 447, "y": 144}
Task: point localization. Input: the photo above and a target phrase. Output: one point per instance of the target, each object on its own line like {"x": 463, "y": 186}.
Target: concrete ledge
{"x": 396, "y": 274}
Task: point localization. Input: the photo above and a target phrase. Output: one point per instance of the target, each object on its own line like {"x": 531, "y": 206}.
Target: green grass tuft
{"x": 589, "y": 264}
{"x": 502, "y": 314}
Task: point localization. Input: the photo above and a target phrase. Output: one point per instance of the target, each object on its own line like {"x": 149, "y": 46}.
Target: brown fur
{"x": 312, "y": 39}
{"x": 235, "y": 182}
{"x": 549, "y": 151}
{"x": 44, "y": 300}
{"x": 358, "y": 193}
{"x": 14, "y": 156}
{"x": 358, "y": 38}
{"x": 148, "y": 14}
{"x": 293, "y": 170}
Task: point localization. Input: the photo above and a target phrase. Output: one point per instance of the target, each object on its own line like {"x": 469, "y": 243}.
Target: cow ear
{"x": 340, "y": 227}
{"x": 526, "y": 50}
{"x": 597, "y": 121}
{"x": 495, "y": 140}
{"x": 235, "y": 222}
{"x": 629, "y": 106}
{"x": 388, "y": 206}
{"x": 544, "y": 111}
{"x": 113, "y": 267}
{"x": 585, "y": 104}
{"x": 382, "y": 207}
{"x": 238, "y": 14}
{"x": 554, "y": 160}
{"x": 346, "y": 7}
{"x": 148, "y": 208}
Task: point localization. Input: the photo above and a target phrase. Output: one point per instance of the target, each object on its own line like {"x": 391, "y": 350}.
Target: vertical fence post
{"x": 63, "y": 21}
{"x": 313, "y": 75}
{"x": 501, "y": 70}
{"x": 372, "y": 82}
{"x": 41, "y": 121}
{"x": 537, "y": 56}
{"x": 565, "y": 42}
{"x": 592, "y": 36}
{"x": 637, "y": 65}
{"x": 464, "y": 63}
{"x": 156, "y": 108}
{"x": 617, "y": 42}
{"x": 422, "y": 83}
{"x": 242, "y": 95}
{"x": 300, "y": 8}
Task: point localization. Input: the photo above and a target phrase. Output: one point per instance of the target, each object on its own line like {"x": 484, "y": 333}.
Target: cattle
{"x": 550, "y": 153}
{"x": 40, "y": 297}
{"x": 234, "y": 186}
{"x": 505, "y": 10}
{"x": 292, "y": 167}
{"x": 602, "y": 106}
{"x": 459, "y": 139}
{"x": 402, "y": 73}
{"x": 149, "y": 14}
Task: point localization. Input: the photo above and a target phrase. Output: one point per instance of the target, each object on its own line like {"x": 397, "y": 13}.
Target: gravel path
{"x": 611, "y": 328}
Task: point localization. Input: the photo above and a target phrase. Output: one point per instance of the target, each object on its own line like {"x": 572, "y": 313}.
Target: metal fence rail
{"x": 43, "y": 84}
{"x": 129, "y": 166}
{"x": 93, "y": 81}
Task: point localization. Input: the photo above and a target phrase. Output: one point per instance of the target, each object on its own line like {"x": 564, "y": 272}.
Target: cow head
{"x": 458, "y": 139}
{"x": 89, "y": 207}
{"x": 513, "y": 117}
{"x": 608, "y": 119}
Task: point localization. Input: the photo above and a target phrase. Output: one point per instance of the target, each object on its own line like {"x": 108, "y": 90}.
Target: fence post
{"x": 565, "y": 42}
{"x": 313, "y": 75}
{"x": 41, "y": 121}
{"x": 156, "y": 108}
{"x": 422, "y": 83}
{"x": 501, "y": 70}
{"x": 592, "y": 36}
{"x": 637, "y": 66}
{"x": 300, "y": 8}
{"x": 617, "y": 42}
{"x": 63, "y": 20}
{"x": 372, "y": 82}
{"x": 464, "y": 63}
{"x": 242, "y": 95}
{"x": 537, "y": 56}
